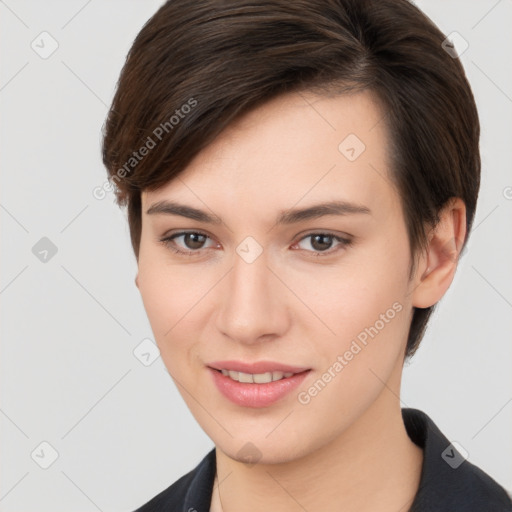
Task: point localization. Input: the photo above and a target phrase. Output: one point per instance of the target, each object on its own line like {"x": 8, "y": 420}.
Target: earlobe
{"x": 439, "y": 262}
{"x": 137, "y": 280}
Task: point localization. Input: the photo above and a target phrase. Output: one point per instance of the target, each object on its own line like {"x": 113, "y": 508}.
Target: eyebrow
{"x": 286, "y": 217}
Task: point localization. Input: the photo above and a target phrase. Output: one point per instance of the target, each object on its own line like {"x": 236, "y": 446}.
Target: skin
{"x": 347, "y": 449}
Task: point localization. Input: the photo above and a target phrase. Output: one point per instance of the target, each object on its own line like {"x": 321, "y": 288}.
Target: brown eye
{"x": 320, "y": 244}
{"x": 192, "y": 242}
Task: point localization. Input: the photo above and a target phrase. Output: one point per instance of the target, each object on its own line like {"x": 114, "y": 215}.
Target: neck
{"x": 371, "y": 466}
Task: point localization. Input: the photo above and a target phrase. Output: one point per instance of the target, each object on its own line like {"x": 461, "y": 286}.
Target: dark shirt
{"x": 448, "y": 482}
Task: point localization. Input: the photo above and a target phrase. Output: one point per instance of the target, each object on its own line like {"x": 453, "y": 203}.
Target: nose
{"x": 252, "y": 303}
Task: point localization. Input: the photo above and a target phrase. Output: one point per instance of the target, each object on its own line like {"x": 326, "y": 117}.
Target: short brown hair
{"x": 223, "y": 58}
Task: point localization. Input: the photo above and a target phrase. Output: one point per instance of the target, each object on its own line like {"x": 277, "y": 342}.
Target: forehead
{"x": 296, "y": 147}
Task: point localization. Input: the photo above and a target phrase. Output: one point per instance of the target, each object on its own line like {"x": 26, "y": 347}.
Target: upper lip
{"x": 256, "y": 367}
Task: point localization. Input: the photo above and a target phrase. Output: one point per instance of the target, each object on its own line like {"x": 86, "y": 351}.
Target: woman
{"x": 300, "y": 179}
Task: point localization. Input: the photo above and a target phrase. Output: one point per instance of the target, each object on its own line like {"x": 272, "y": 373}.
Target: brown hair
{"x": 197, "y": 66}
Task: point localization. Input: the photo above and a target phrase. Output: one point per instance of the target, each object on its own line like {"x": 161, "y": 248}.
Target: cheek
{"x": 367, "y": 313}
{"x": 167, "y": 295}
{"x": 350, "y": 298}
{"x": 365, "y": 306}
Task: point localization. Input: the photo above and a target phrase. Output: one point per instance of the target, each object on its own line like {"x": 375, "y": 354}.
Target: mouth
{"x": 256, "y": 378}
{"x": 257, "y": 368}
{"x": 264, "y": 384}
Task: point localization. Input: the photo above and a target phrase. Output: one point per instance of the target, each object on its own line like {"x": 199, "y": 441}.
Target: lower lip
{"x": 256, "y": 395}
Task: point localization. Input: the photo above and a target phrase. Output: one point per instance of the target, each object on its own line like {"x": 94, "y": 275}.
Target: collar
{"x": 448, "y": 482}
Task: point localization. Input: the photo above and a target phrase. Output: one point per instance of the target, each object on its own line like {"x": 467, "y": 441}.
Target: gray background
{"x": 70, "y": 324}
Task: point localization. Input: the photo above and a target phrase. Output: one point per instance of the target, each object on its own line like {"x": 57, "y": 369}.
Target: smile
{"x": 256, "y": 378}
{"x": 256, "y": 389}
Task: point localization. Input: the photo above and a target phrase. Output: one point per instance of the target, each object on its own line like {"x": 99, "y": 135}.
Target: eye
{"x": 193, "y": 242}
{"x": 322, "y": 242}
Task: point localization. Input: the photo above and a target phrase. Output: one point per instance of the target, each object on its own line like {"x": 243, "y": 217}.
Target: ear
{"x": 437, "y": 265}
{"x": 137, "y": 280}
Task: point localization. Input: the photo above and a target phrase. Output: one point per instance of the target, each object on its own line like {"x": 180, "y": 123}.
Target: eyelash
{"x": 168, "y": 240}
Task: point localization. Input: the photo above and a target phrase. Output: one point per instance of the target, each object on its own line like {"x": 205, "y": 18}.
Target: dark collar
{"x": 448, "y": 482}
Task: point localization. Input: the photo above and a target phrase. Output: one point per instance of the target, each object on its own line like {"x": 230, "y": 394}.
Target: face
{"x": 278, "y": 279}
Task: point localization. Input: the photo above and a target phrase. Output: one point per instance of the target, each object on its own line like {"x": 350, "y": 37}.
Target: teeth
{"x": 233, "y": 375}
{"x": 262, "y": 378}
{"x": 258, "y": 378}
{"x": 245, "y": 377}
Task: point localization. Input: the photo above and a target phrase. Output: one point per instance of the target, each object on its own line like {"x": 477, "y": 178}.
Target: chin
{"x": 262, "y": 450}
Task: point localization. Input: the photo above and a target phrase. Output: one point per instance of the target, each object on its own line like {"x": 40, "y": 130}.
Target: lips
{"x": 255, "y": 394}
{"x": 257, "y": 367}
